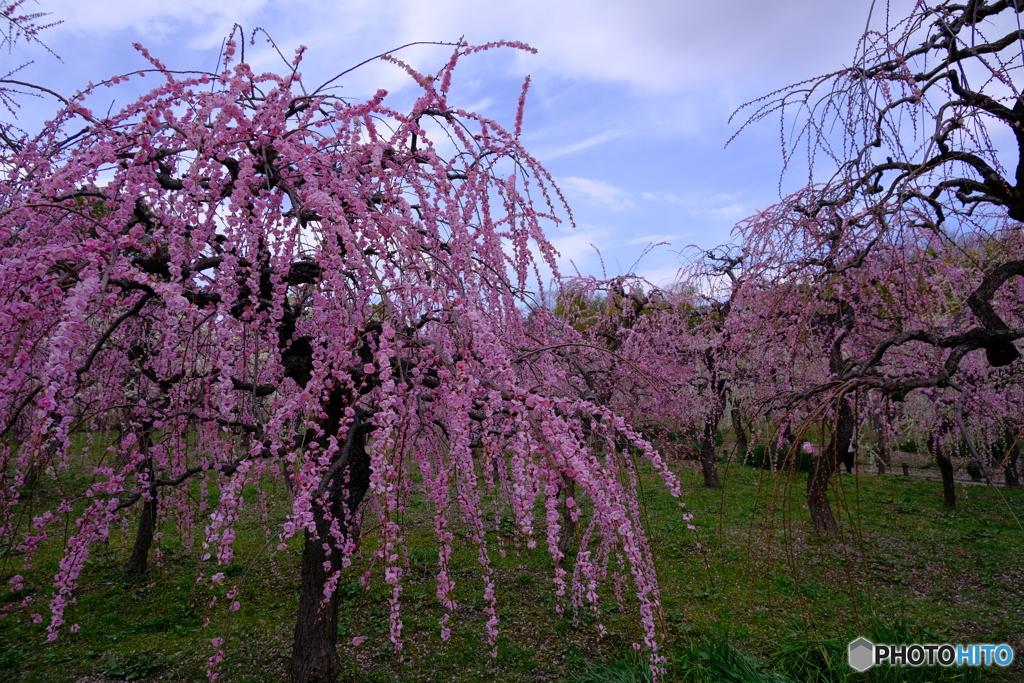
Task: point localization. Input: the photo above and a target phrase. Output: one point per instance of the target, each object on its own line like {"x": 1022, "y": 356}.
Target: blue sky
{"x": 628, "y": 109}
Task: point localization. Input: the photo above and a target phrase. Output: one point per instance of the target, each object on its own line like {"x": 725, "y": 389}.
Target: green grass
{"x": 754, "y": 595}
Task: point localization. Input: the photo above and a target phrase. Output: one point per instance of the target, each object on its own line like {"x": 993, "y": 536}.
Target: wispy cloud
{"x": 153, "y": 19}
{"x": 598, "y": 192}
{"x": 574, "y": 147}
{"x": 656, "y": 45}
{"x": 660, "y": 196}
{"x": 579, "y": 251}
{"x": 653, "y": 239}
{"x": 664, "y": 276}
{"x": 721, "y": 206}
{"x": 731, "y": 213}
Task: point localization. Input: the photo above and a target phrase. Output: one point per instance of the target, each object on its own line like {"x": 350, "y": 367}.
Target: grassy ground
{"x": 752, "y": 596}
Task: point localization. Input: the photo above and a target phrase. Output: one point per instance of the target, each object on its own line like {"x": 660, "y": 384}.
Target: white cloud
{"x": 153, "y": 19}
{"x": 578, "y": 146}
{"x": 597, "y": 191}
{"x": 579, "y": 251}
{"x": 580, "y": 244}
{"x": 479, "y": 106}
{"x": 655, "y": 45}
{"x": 661, "y": 196}
{"x": 663, "y": 277}
{"x": 660, "y": 45}
{"x": 653, "y": 239}
{"x": 723, "y": 206}
{"x": 732, "y": 212}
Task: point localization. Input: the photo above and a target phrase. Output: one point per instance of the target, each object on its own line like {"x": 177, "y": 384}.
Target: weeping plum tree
{"x": 717, "y": 273}
{"x": 914, "y": 139}
{"x": 648, "y": 353}
{"x": 304, "y": 284}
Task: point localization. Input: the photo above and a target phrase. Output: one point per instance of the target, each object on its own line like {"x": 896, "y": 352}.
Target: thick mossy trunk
{"x": 314, "y": 648}
{"x": 138, "y": 563}
{"x": 822, "y": 469}
{"x": 708, "y": 467}
{"x": 824, "y": 466}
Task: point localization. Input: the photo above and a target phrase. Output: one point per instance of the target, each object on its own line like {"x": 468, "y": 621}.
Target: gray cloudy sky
{"x": 628, "y": 108}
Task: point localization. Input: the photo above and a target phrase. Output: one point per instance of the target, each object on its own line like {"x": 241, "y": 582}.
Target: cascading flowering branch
{"x": 248, "y": 280}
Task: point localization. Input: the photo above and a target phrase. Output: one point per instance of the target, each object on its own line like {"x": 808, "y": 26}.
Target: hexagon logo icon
{"x": 861, "y": 654}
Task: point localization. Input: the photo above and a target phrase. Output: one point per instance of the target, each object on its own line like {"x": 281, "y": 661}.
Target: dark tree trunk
{"x": 37, "y": 464}
{"x": 849, "y": 459}
{"x": 741, "y": 435}
{"x": 975, "y": 471}
{"x": 32, "y": 473}
{"x": 948, "y": 485}
{"x": 707, "y": 463}
{"x": 945, "y": 466}
{"x": 314, "y": 649}
{"x": 286, "y": 474}
{"x": 707, "y": 442}
{"x": 824, "y": 466}
{"x": 707, "y": 451}
{"x": 138, "y": 563}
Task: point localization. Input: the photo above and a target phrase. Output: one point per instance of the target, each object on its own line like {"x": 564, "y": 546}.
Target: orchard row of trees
{"x": 249, "y": 278}
{"x": 883, "y": 300}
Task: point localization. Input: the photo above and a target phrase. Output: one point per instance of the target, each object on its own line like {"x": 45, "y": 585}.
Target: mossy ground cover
{"x": 753, "y": 590}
